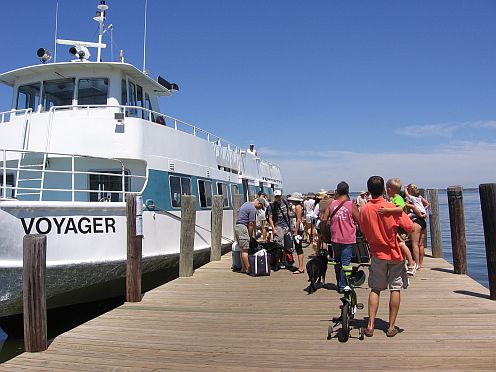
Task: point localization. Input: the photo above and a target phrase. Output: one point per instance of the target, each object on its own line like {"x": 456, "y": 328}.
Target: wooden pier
{"x": 220, "y": 320}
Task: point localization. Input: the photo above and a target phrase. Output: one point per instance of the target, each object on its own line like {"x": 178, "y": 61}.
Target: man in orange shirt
{"x": 387, "y": 267}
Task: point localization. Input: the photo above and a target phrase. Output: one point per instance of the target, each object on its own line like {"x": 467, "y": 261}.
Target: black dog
{"x": 317, "y": 269}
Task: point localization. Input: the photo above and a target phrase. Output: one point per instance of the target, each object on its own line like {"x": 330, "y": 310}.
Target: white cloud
{"x": 443, "y": 129}
{"x": 459, "y": 163}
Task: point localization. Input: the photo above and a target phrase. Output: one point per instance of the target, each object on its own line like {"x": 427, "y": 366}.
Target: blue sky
{"x": 329, "y": 90}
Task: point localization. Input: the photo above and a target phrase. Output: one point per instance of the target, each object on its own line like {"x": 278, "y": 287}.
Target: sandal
{"x": 368, "y": 332}
{"x": 298, "y": 271}
{"x": 392, "y": 332}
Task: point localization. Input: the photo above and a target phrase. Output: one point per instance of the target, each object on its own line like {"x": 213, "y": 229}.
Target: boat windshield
{"x": 61, "y": 92}
{"x": 28, "y": 96}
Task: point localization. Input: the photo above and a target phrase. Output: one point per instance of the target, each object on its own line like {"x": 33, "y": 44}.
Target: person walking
{"x": 343, "y": 218}
{"x": 387, "y": 266}
{"x": 279, "y": 222}
{"x": 245, "y": 229}
{"x": 297, "y": 227}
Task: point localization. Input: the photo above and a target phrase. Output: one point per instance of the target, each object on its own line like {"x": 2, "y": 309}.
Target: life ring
{"x": 160, "y": 120}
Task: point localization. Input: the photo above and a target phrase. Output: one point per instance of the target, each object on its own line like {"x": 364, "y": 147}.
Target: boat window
{"x": 28, "y": 96}
{"x": 9, "y": 189}
{"x": 57, "y": 93}
{"x": 148, "y": 105}
{"x": 93, "y": 91}
{"x": 123, "y": 92}
{"x": 139, "y": 100}
{"x": 222, "y": 190}
{"x": 234, "y": 191}
{"x": 205, "y": 190}
{"x": 131, "y": 111}
{"x": 179, "y": 186}
{"x": 107, "y": 184}
{"x": 252, "y": 192}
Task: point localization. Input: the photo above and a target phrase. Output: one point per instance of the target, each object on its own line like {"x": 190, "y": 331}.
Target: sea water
{"x": 474, "y": 234}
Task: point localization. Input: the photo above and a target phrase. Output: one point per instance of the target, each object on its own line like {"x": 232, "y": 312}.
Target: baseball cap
{"x": 277, "y": 193}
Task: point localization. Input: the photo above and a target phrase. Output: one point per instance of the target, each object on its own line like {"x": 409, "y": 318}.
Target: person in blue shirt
{"x": 245, "y": 229}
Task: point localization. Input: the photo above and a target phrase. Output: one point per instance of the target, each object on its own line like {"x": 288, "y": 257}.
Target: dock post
{"x": 216, "y": 232}
{"x": 187, "y": 242}
{"x": 457, "y": 227}
{"x": 134, "y": 208}
{"x": 487, "y": 193}
{"x": 434, "y": 223}
{"x": 34, "y": 293}
{"x": 237, "y": 203}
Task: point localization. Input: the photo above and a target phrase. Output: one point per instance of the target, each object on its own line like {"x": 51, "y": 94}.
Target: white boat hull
{"x": 86, "y": 249}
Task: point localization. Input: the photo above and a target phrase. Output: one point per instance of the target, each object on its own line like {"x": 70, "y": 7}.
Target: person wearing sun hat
{"x": 362, "y": 199}
{"x": 297, "y": 228}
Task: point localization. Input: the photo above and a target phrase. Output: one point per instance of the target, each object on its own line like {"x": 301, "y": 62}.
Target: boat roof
{"x": 68, "y": 69}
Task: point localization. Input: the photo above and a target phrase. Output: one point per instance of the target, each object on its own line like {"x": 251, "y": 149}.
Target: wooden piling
{"x": 237, "y": 203}
{"x": 457, "y": 227}
{"x": 187, "y": 242}
{"x": 216, "y": 232}
{"x": 34, "y": 293}
{"x": 434, "y": 223}
{"x": 134, "y": 251}
{"x": 487, "y": 193}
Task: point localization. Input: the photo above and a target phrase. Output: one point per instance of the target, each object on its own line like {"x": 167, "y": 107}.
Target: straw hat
{"x": 321, "y": 194}
{"x": 296, "y": 196}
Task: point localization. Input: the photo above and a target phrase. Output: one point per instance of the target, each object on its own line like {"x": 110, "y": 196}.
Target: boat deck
{"x": 219, "y": 320}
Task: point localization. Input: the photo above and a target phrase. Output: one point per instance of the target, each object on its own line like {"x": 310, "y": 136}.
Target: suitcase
{"x": 259, "y": 263}
{"x": 236, "y": 258}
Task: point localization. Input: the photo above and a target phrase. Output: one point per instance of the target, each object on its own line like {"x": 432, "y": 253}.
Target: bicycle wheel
{"x": 345, "y": 321}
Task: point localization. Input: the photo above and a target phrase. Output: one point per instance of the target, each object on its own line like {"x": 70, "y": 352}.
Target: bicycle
{"x": 349, "y": 306}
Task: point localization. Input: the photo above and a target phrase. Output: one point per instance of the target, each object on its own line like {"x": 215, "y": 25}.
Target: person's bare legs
{"x": 406, "y": 252}
{"x": 300, "y": 263}
{"x": 423, "y": 233}
{"x": 373, "y": 306}
{"x": 394, "y": 307}
{"x": 245, "y": 264}
{"x": 415, "y": 237}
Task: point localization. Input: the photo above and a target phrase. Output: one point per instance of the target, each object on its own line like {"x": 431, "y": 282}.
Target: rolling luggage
{"x": 236, "y": 258}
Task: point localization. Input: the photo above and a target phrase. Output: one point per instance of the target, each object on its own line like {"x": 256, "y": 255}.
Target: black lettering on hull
{"x": 63, "y": 225}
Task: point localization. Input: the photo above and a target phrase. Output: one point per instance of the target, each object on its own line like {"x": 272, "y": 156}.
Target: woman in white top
{"x": 415, "y": 202}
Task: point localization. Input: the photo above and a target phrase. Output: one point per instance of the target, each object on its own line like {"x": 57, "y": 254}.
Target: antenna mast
{"x": 144, "y": 40}
{"x": 56, "y": 31}
{"x": 100, "y": 18}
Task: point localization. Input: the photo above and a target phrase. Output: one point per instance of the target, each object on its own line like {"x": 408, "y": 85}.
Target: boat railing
{"x": 5, "y": 116}
{"x": 32, "y": 169}
{"x": 154, "y": 117}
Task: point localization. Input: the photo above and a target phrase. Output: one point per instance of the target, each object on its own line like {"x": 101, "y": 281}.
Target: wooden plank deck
{"x": 219, "y": 320}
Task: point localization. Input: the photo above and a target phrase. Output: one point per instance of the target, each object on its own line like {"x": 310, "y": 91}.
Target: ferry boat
{"x": 81, "y": 135}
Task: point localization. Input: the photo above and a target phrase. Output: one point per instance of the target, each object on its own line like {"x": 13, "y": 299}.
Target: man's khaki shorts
{"x": 241, "y": 235}
{"x": 385, "y": 274}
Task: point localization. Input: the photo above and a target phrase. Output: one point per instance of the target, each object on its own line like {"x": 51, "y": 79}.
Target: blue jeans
{"x": 342, "y": 255}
